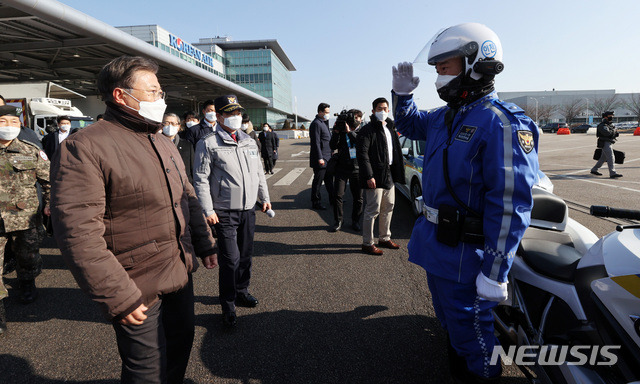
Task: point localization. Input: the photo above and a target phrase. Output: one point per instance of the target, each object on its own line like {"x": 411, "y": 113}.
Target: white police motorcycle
{"x": 573, "y": 311}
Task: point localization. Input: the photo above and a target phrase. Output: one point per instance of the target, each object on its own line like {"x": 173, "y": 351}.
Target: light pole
{"x": 587, "y": 118}
{"x": 536, "y": 108}
{"x": 295, "y": 100}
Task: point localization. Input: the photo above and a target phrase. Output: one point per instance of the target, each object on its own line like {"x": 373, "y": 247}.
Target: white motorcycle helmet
{"x": 482, "y": 52}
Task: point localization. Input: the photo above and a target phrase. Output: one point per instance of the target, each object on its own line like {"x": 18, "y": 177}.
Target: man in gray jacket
{"x": 228, "y": 179}
{"x": 607, "y": 135}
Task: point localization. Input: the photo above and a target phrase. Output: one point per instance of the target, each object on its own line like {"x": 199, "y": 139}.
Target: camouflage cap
{"x": 9, "y": 110}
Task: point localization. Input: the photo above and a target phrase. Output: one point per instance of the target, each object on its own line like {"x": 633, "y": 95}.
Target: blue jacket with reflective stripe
{"x": 493, "y": 164}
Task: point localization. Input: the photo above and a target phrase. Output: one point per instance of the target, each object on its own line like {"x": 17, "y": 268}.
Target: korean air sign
{"x": 186, "y": 48}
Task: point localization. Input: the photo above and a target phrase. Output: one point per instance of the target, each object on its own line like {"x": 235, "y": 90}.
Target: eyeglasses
{"x": 157, "y": 95}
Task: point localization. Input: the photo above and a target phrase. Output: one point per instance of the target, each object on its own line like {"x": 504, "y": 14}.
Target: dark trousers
{"x": 340, "y": 186}
{"x": 157, "y": 351}
{"x": 320, "y": 175}
{"x": 268, "y": 164}
{"x": 235, "y": 243}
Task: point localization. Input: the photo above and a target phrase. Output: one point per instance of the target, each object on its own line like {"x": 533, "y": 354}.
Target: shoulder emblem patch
{"x": 525, "y": 138}
{"x": 466, "y": 133}
{"x": 44, "y": 156}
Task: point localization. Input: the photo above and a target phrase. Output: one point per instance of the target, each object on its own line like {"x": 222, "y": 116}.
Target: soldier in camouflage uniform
{"x": 21, "y": 165}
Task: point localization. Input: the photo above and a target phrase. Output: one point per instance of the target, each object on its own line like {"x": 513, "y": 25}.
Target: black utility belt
{"x": 453, "y": 226}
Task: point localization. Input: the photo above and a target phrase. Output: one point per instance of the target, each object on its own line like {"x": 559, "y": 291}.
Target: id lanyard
{"x": 352, "y": 151}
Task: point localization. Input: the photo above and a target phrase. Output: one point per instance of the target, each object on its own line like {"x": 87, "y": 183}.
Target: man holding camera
{"x": 344, "y": 140}
{"x": 380, "y": 165}
{"x": 607, "y": 135}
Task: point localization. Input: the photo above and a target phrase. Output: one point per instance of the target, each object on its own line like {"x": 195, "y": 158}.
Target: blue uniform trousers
{"x": 469, "y": 322}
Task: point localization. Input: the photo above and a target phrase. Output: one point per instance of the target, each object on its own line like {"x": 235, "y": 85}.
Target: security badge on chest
{"x": 466, "y": 133}
{"x": 525, "y": 138}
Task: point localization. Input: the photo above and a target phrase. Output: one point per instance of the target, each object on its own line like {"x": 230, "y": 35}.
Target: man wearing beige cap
{"x": 228, "y": 179}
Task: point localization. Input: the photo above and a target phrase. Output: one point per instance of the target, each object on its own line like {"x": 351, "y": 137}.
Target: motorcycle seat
{"x": 557, "y": 261}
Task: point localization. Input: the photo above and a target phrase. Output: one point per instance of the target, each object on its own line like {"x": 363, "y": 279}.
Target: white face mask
{"x": 234, "y": 122}
{"x": 210, "y": 116}
{"x": 152, "y": 110}
{"x": 382, "y": 115}
{"x": 9, "y": 133}
{"x": 65, "y": 128}
{"x": 170, "y": 130}
{"x": 190, "y": 124}
{"x": 326, "y": 117}
{"x": 244, "y": 127}
{"x": 443, "y": 80}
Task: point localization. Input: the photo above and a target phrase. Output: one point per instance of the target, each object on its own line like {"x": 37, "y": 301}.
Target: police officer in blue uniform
{"x": 480, "y": 164}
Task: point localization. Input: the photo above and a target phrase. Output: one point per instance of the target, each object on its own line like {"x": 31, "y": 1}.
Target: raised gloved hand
{"x": 403, "y": 80}
{"x": 490, "y": 289}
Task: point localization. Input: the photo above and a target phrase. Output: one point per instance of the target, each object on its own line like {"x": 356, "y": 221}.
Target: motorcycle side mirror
{"x": 405, "y": 151}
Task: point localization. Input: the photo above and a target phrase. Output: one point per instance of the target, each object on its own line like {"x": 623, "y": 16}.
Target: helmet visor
{"x": 421, "y": 61}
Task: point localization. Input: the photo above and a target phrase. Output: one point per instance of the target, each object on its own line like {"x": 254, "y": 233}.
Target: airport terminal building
{"x": 260, "y": 66}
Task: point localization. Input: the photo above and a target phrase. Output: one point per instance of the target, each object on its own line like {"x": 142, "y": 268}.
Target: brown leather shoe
{"x": 372, "y": 250}
{"x": 388, "y": 244}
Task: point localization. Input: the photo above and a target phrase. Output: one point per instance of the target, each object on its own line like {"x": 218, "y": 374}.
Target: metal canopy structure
{"x": 45, "y": 40}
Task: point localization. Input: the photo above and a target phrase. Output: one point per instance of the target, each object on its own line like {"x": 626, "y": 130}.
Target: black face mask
{"x": 463, "y": 90}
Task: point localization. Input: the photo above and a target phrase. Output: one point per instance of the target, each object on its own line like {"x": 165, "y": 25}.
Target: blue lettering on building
{"x": 186, "y": 48}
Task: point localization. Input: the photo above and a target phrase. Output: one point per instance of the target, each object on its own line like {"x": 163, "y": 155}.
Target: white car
{"x": 413, "y": 157}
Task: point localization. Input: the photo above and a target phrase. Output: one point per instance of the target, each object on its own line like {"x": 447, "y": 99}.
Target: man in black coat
{"x": 320, "y": 136}
{"x": 52, "y": 141}
{"x": 380, "y": 162}
{"x": 171, "y": 129}
{"x": 268, "y": 147}
{"x": 207, "y": 124}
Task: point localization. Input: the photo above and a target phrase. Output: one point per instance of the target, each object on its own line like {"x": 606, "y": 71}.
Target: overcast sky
{"x": 344, "y": 50}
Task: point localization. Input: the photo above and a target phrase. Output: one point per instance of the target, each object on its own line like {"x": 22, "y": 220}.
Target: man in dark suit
{"x": 207, "y": 124}
{"x": 52, "y": 141}
{"x": 320, "y": 136}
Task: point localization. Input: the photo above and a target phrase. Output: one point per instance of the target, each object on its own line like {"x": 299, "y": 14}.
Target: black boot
{"x": 28, "y": 291}
{"x": 461, "y": 373}
{"x": 3, "y": 319}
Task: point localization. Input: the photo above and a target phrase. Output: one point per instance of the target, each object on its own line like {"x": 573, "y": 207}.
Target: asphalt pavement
{"x": 328, "y": 313}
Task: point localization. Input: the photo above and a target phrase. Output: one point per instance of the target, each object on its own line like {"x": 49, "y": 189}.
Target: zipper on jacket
{"x": 178, "y": 170}
{"x": 244, "y": 186}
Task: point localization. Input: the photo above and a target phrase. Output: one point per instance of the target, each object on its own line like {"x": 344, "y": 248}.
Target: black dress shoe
{"x": 615, "y": 176}
{"x": 246, "y": 300}
{"x": 596, "y": 173}
{"x": 336, "y": 227}
{"x": 3, "y": 319}
{"x": 28, "y": 291}
{"x": 319, "y": 207}
{"x": 229, "y": 320}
